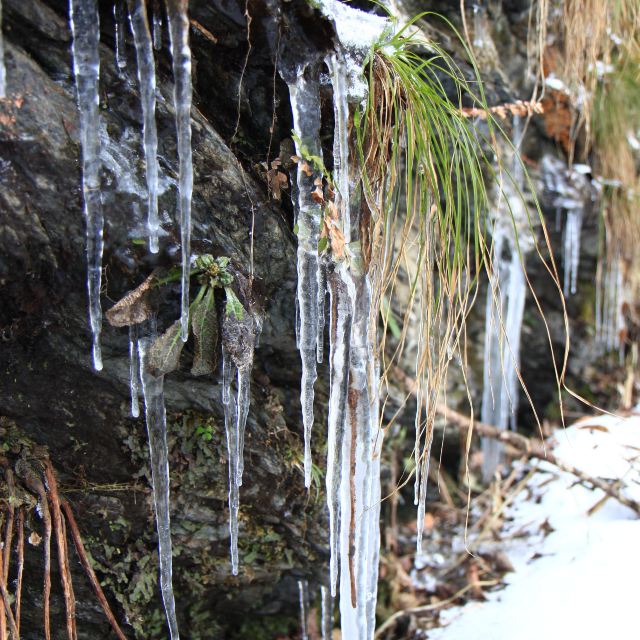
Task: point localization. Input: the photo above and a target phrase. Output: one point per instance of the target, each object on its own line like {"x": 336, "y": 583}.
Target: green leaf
{"x": 233, "y": 306}
{"x": 164, "y": 355}
{"x": 323, "y": 243}
{"x": 204, "y": 324}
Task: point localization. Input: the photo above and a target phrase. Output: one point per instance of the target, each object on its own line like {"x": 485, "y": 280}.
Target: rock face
{"x": 50, "y": 396}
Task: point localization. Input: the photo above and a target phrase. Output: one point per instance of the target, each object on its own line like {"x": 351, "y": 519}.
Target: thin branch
{"x": 18, "y": 596}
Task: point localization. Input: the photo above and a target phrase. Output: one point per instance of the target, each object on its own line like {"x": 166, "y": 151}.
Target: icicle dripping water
{"x": 134, "y": 368}
{"x": 182, "y": 93}
{"x": 153, "y": 392}
{"x": 3, "y": 70}
{"x": 120, "y": 20}
{"x": 85, "y": 28}
{"x": 147, "y": 79}
{"x": 305, "y": 106}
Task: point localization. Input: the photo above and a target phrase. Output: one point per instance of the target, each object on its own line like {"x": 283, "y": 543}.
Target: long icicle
{"x": 305, "y": 105}
{"x": 85, "y": 28}
{"x": 147, "y": 79}
{"x": 3, "y": 71}
{"x": 182, "y": 93}
{"x": 134, "y": 369}
{"x": 120, "y": 21}
{"x": 156, "y": 418}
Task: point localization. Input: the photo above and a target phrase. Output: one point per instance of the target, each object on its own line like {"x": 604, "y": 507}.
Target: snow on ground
{"x": 580, "y": 580}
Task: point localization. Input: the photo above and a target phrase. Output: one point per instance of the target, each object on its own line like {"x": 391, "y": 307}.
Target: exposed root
{"x": 84, "y": 560}
{"x": 63, "y": 556}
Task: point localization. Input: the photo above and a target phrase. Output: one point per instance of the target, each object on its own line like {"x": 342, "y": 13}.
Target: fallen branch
{"x": 519, "y": 445}
{"x": 91, "y": 574}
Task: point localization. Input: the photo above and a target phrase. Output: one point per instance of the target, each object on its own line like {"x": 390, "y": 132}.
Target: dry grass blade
{"x": 20, "y": 546}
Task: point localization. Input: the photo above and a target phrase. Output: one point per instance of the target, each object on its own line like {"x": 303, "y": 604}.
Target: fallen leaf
{"x": 164, "y": 354}
{"x": 134, "y": 307}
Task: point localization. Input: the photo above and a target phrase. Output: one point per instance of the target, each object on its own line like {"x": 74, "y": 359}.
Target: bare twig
{"x": 63, "y": 555}
{"x": 6, "y": 605}
{"x": 91, "y": 574}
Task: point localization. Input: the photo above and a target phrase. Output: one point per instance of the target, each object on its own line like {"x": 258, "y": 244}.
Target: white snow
{"x": 584, "y": 584}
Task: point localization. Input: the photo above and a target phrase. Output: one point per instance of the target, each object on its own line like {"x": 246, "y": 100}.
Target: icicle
{"x": 147, "y": 80}
{"x": 181, "y": 53}
{"x": 305, "y": 105}
{"x": 153, "y": 392}
{"x": 303, "y": 590}
{"x": 231, "y": 428}
{"x": 85, "y": 27}
{"x": 119, "y": 19}
{"x": 322, "y": 295}
{"x": 242, "y": 411}
{"x": 341, "y": 311}
{"x": 157, "y": 26}
{"x": 326, "y": 611}
{"x": 571, "y": 257}
{"x": 337, "y": 67}
{"x": 3, "y": 71}
{"x": 134, "y": 368}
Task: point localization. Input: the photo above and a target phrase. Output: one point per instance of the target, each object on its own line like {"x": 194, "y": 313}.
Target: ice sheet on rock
{"x": 305, "y": 105}
{"x": 153, "y": 392}
{"x": 182, "y": 94}
{"x": 85, "y": 28}
{"x": 147, "y": 80}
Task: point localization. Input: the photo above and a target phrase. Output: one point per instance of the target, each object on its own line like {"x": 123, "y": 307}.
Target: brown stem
{"x": 63, "y": 554}
{"x": 9, "y": 531}
{"x": 6, "y": 606}
{"x": 91, "y": 574}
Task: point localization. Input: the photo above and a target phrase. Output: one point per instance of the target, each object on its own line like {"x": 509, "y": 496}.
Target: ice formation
{"x": 571, "y": 192}
{"x": 120, "y": 21}
{"x": 326, "y": 613}
{"x": 353, "y": 438}
{"x": 156, "y": 418}
{"x": 305, "y": 105}
{"x": 157, "y": 26}
{"x": 609, "y": 294}
{"x": 134, "y": 368}
{"x": 181, "y": 53}
{"x": 147, "y": 79}
{"x": 3, "y": 71}
{"x": 85, "y": 28}
{"x": 239, "y": 341}
{"x": 303, "y": 590}
{"x": 512, "y": 239}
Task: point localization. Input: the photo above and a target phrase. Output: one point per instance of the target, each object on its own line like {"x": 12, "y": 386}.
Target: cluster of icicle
{"x": 504, "y": 311}
{"x": 353, "y": 437}
{"x": 571, "y": 192}
{"x": 85, "y": 26}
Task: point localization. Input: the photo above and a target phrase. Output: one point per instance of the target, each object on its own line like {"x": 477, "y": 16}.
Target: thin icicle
{"x": 85, "y": 28}
{"x": 134, "y": 368}
{"x": 182, "y": 93}
{"x": 242, "y": 411}
{"x": 571, "y": 256}
{"x": 157, "y": 26}
{"x": 305, "y": 105}
{"x": 3, "y": 71}
{"x": 322, "y": 295}
{"x": 147, "y": 79}
{"x": 326, "y": 611}
{"x": 231, "y": 429}
{"x": 303, "y": 590}
{"x": 120, "y": 21}
{"x": 153, "y": 392}
{"x": 341, "y": 311}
